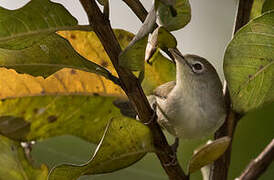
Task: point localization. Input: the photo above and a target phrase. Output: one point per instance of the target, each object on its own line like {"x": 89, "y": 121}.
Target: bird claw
{"x": 174, "y": 148}
{"x": 175, "y": 145}
{"x": 152, "y": 119}
{"x": 173, "y": 162}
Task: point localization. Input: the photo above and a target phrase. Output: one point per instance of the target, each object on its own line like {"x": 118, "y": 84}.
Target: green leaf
{"x": 175, "y": 23}
{"x": 160, "y": 38}
{"x": 268, "y": 5}
{"x": 208, "y": 153}
{"x": 249, "y": 64}
{"x": 113, "y": 152}
{"x": 134, "y": 54}
{"x": 165, "y": 38}
{"x": 47, "y": 116}
{"x": 14, "y": 127}
{"x": 46, "y": 57}
{"x": 160, "y": 71}
{"x": 62, "y": 149}
{"x": 127, "y": 142}
{"x": 167, "y": 2}
{"x": 24, "y": 27}
{"x": 133, "y": 57}
{"x": 14, "y": 166}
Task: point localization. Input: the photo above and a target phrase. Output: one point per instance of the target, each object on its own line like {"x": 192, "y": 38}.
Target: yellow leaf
{"x": 66, "y": 81}
{"x": 89, "y": 46}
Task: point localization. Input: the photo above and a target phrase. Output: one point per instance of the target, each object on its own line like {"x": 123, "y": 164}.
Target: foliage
{"x": 208, "y": 154}
{"x": 182, "y": 18}
{"x": 14, "y": 164}
{"x": 249, "y": 64}
{"x": 55, "y": 84}
{"x": 26, "y": 26}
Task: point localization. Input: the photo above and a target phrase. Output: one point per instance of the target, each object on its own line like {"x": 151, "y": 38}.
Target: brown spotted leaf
{"x": 74, "y": 103}
{"x": 88, "y": 45}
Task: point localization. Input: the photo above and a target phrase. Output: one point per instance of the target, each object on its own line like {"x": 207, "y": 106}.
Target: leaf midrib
{"x": 254, "y": 76}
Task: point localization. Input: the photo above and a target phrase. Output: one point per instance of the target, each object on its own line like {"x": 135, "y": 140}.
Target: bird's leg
{"x": 175, "y": 145}
{"x": 152, "y": 119}
{"x": 174, "y": 148}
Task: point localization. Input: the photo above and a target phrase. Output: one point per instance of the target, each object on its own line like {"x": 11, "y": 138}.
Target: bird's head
{"x": 195, "y": 74}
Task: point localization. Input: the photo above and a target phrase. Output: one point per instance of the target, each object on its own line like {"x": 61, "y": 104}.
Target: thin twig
{"x": 142, "y": 13}
{"x": 137, "y": 7}
{"x": 106, "y": 8}
{"x": 219, "y": 170}
{"x": 133, "y": 89}
{"x": 243, "y": 14}
{"x": 258, "y": 166}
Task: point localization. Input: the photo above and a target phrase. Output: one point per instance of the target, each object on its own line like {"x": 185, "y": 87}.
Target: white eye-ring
{"x": 197, "y": 67}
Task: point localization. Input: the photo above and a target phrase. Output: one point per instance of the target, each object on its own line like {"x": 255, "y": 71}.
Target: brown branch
{"x": 219, "y": 169}
{"x": 243, "y": 14}
{"x": 259, "y": 165}
{"x": 133, "y": 89}
{"x": 137, "y": 7}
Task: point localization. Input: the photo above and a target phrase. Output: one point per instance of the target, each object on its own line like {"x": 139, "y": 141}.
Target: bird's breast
{"x": 183, "y": 116}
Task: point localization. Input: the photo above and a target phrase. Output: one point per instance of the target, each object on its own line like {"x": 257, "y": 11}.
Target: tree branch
{"x": 137, "y": 7}
{"x": 243, "y": 14}
{"x": 219, "y": 170}
{"x": 258, "y": 166}
{"x": 133, "y": 89}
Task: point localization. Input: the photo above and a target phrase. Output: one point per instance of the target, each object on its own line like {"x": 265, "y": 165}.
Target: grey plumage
{"x": 193, "y": 105}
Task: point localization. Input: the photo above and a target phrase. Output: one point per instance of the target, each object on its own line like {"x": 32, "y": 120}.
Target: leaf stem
{"x": 137, "y": 7}
{"x": 133, "y": 89}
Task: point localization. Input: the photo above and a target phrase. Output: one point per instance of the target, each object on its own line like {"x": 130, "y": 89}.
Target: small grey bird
{"x": 193, "y": 106}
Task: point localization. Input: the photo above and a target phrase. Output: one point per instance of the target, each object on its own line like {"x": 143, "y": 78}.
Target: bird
{"x": 192, "y": 106}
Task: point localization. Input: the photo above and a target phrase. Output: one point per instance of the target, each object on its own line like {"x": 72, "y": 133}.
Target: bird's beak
{"x": 179, "y": 58}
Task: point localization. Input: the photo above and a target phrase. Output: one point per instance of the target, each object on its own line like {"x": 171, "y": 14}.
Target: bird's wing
{"x": 163, "y": 90}
{"x": 127, "y": 109}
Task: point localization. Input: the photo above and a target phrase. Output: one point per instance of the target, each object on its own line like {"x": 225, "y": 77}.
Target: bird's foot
{"x": 153, "y": 118}
{"x": 173, "y": 161}
{"x": 173, "y": 156}
{"x": 175, "y": 145}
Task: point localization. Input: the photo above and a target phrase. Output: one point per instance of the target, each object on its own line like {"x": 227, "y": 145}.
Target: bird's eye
{"x": 198, "y": 67}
